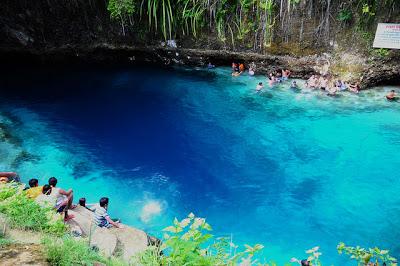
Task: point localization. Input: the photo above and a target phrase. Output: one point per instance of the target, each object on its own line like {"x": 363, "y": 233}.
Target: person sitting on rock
{"x": 64, "y": 198}
{"x": 391, "y": 96}
{"x": 101, "y": 217}
{"x": 45, "y": 199}
{"x": 35, "y": 190}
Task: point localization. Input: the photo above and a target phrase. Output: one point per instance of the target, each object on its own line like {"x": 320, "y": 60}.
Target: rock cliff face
{"x": 81, "y": 30}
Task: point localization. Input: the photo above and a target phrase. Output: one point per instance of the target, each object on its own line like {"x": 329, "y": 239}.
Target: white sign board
{"x": 387, "y": 36}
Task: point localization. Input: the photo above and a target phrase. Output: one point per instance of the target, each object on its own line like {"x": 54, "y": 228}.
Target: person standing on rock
{"x": 101, "y": 217}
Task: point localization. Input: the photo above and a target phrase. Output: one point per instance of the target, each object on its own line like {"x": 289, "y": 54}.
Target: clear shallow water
{"x": 285, "y": 169}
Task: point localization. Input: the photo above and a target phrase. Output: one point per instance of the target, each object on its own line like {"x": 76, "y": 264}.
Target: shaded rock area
{"x": 125, "y": 242}
{"x": 79, "y": 31}
{"x": 356, "y": 69}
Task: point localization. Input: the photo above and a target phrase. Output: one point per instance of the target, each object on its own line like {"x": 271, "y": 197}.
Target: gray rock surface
{"x": 109, "y": 241}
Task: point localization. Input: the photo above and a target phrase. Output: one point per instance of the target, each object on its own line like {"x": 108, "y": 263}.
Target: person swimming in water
{"x": 354, "y": 88}
{"x": 259, "y": 87}
{"x": 210, "y": 66}
{"x": 234, "y": 67}
{"x": 323, "y": 82}
{"x": 294, "y": 85}
{"x": 332, "y": 91}
{"x": 236, "y": 70}
{"x": 285, "y": 74}
{"x": 311, "y": 82}
{"x": 271, "y": 80}
{"x": 391, "y": 96}
{"x": 251, "y": 71}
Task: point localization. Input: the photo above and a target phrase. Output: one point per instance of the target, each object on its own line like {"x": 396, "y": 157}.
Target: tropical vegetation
{"x": 186, "y": 242}
{"x": 254, "y": 24}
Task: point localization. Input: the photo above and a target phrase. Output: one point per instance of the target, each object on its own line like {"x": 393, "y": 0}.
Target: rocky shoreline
{"x": 381, "y": 72}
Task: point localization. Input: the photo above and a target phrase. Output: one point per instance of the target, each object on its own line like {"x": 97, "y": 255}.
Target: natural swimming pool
{"x": 285, "y": 169}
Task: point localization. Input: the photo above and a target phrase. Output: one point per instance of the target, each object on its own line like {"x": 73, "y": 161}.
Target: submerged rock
{"x": 22, "y": 157}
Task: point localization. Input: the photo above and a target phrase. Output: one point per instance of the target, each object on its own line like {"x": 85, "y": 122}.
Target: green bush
{"x": 4, "y": 242}
{"x": 26, "y": 214}
{"x": 381, "y": 52}
{"x": 364, "y": 256}
{"x": 67, "y": 251}
{"x": 188, "y": 242}
{"x": 345, "y": 15}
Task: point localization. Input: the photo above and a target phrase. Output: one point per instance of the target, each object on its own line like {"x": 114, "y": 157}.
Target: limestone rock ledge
{"x": 126, "y": 241}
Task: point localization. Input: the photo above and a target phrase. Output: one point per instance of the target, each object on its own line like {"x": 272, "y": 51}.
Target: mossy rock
{"x": 7, "y": 136}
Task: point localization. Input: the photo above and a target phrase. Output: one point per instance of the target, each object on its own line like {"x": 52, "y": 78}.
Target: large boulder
{"x": 104, "y": 240}
{"x": 130, "y": 240}
{"x": 127, "y": 240}
{"x": 83, "y": 219}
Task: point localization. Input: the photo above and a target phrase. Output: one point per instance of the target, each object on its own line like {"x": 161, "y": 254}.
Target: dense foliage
{"x": 365, "y": 256}
{"x": 252, "y": 23}
{"x": 67, "y": 251}
{"x": 26, "y": 214}
{"x": 186, "y": 242}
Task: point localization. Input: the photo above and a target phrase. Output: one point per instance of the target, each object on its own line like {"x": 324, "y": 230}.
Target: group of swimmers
{"x": 238, "y": 69}
{"x": 322, "y": 82}
{"x": 326, "y": 83}
{"x": 50, "y": 195}
{"x": 277, "y": 77}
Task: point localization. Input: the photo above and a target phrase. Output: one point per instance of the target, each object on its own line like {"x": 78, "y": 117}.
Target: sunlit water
{"x": 285, "y": 169}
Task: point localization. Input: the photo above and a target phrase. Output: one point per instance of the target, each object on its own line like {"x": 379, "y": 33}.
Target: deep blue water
{"x": 286, "y": 169}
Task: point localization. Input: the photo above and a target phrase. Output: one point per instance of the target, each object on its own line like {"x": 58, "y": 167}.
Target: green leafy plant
{"x": 160, "y": 12}
{"x": 26, "y": 214}
{"x": 121, "y": 10}
{"x": 5, "y": 242}
{"x": 364, "y": 256}
{"x": 345, "y": 15}
{"x": 313, "y": 257}
{"x": 67, "y": 251}
{"x": 381, "y": 52}
{"x": 188, "y": 242}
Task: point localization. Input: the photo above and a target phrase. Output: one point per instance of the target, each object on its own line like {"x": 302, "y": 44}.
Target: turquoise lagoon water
{"x": 285, "y": 169}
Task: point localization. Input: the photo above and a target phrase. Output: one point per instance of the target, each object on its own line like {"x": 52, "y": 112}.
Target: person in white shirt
{"x": 64, "y": 198}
